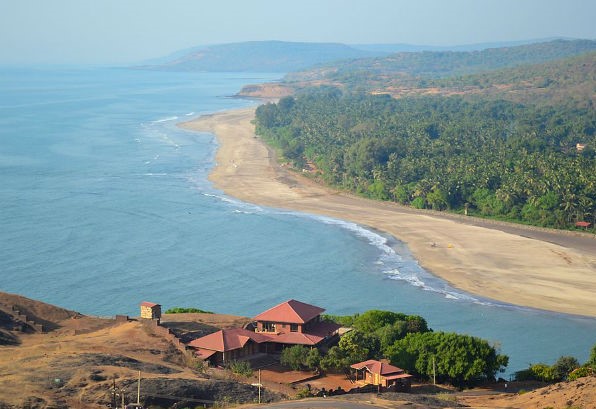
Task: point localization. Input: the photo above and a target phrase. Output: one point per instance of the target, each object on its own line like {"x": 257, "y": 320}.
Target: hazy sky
{"x": 123, "y": 31}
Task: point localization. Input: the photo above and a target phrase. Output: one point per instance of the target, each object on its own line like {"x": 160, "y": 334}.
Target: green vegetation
{"x": 408, "y": 342}
{"x": 566, "y": 368}
{"x": 241, "y": 368}
{"x": 460, "y": 359}
{"x": 568, "y": 82}
{"x": 488, "y": 157}
{"x": 183, "y": 310}
{"x": 300, "y": 357}
{"x": 419, "y": 69}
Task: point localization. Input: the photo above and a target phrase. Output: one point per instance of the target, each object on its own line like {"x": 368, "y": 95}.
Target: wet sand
{"x": 537, "y": 268}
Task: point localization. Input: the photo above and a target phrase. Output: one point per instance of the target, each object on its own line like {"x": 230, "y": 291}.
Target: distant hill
{"x": 550, "y": 71}
{"x": 261, "y": 56}
{"x": 412, "y": 48}
{"x": 441, "y": 64}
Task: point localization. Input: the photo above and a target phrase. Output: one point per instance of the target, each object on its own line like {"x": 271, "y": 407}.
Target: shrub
{"x": 581, "y": 372}
{"x": 183, "y": 310}
{"x": 241, "y": 368}
{"x": 294, "y": 357}
{"x": 537, "y": 372}
{"x": 564, "y": 366}
{"x": 304, "y": 393}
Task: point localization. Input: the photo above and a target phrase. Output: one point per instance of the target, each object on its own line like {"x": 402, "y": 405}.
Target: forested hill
{"x": 488, "y": 157}
{"x": 409, "y": 68}
{"x": 262, "y": 56}
{"x": 569, "y": 81}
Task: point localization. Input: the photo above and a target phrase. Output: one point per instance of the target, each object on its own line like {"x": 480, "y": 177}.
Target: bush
{"x": 564, "y": 366}
{"x": 581, "y": 372}
{"x": 537, "y": 372}
{"x": 294, "y": 357}
{"x": 184, "y": 310}
{"x": 304, "y": 393}
{"x": 241, "y": 368}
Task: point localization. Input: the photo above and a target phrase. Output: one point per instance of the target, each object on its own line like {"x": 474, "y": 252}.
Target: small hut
{"x": 383, "y": 375}
{"x": 150, "y": 311}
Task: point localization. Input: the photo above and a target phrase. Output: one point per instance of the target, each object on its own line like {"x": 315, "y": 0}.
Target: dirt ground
{"x": 77, "y": 363}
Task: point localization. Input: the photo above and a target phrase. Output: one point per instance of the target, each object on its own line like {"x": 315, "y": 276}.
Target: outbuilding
{"x": 150, "y": 311}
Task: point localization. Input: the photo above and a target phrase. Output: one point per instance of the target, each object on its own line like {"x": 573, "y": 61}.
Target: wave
{"x": 240, "y": 207}
{"x": 373, "y": 238}
{"x": 403, "y": 267}
{"x": 190, "y": 114}
{"x": 170, "y": 118}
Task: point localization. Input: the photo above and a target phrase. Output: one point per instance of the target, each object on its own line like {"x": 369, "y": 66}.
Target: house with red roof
{"x": 295, "y": 323}
{"x": 382, "y": 374}
{"x": 228, "y": 345}
{"x": 287, "y": 324}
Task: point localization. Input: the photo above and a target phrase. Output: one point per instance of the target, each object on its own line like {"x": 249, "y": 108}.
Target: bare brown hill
{"x": 77, "y": 365}
{"x": 78, "y": 361}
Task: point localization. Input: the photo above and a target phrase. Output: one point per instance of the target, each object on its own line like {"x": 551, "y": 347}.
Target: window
{"x": 293, "y": 327}
{"x": 268, "y": 326}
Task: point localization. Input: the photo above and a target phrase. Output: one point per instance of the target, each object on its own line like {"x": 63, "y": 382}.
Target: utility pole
{"x": 114, "y": 394}
{"x": 258, "y": 385}
{"x": 139, "y": 390}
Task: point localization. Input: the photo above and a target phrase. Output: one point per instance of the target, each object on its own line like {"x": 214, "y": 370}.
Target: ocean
{"x": 105, "y": 203}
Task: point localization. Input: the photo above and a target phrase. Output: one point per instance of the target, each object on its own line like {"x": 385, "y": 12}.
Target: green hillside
{"x": 413, "y": 69}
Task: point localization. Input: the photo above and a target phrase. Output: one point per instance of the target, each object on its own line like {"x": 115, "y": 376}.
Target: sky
{"x": 128, "y": 31}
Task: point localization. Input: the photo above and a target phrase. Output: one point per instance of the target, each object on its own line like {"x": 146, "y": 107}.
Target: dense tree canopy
{"x": 494, "y": 157}
{"x": 408, "y": 342}
{"x": 460, "y": 359}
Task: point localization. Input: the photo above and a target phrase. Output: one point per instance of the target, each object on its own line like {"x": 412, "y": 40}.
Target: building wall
{"x": 151, "y": 312}
{"x": 283, "y": 327}
{"x": 280, "y": 327}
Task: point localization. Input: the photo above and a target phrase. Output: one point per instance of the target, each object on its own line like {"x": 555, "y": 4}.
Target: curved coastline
{"x": 506, "y": 263}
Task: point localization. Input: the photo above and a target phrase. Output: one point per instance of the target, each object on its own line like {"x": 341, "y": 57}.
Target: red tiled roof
{"x": 295, "y": 338}
{"x": 149, "y": 304}
{"x": 398, "y": 376}
{"x": 227, "y": 340}
{"x": 291, "y": 312}
{"x": 204, "y": 353}
{"x": 379, "y": 368}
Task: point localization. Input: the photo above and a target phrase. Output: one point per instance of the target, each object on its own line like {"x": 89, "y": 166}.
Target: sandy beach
{"x": 527, "y": 267}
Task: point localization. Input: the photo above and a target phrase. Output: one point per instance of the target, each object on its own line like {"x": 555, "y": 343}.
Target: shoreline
{"x": 503, "y": 262}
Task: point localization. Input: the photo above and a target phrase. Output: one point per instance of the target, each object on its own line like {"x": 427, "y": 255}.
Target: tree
{"x": 563, "y": 367}
{"x": 359, "y": 346}
{"x": 335, "y": 359}
{"x": 372, "y": 320}
{"x": 437, "y": 199}
{"x": 505, "y": 159}
{"x": 313, "y": 359}
{"x": 592, "y": 359}
{"x": 294, "y": 357}
{"x": 461, "y": 359}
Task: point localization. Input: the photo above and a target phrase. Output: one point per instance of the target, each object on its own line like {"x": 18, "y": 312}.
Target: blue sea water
{"x": 104, "y": 203}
